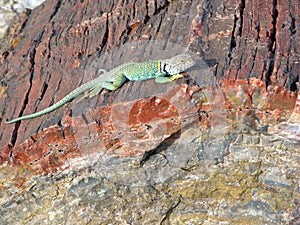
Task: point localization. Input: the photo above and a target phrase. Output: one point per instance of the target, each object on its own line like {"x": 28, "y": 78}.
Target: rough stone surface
{"x": 221, "y": 146}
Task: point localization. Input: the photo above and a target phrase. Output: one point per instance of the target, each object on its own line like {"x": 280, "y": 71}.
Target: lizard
{"x": 164, "y": 70}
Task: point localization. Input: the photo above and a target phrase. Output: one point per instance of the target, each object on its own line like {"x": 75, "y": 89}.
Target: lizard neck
{"x": 162, "y": 65}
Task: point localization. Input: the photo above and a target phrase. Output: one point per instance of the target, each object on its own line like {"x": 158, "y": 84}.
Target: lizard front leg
{"x": 167, "y": 79}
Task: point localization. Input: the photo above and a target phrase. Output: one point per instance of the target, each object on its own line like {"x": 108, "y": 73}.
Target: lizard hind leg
{"x": 91, "y": 93}
{"x": 95, "y": 91}
{"x": 115, "y": 83}
{"x": 85, "y": 95}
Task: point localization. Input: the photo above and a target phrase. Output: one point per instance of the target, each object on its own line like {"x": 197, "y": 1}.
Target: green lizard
{"x": 163, "y": 71}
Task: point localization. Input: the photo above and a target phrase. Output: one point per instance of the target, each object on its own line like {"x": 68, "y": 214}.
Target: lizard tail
{"x": 57, "y": 105}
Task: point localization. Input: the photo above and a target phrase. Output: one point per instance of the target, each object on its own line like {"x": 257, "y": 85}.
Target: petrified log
{"x": 220, "y": 144}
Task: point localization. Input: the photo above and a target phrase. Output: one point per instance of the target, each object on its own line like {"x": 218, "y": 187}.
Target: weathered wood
{"x": 246, "y": 125}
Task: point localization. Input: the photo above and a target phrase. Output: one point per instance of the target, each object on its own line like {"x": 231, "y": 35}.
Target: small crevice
{"x": 207, "y": 13}
{"x": 232, "y": 45}
{"x": 134, "y": 10}
{"x": 126, "y": 32}
{"x": 159, "y": 24}
{"x": 263, "y": 70}
{"x": 293, "y": 27}
{"x": 58, "y": 4}
{"x": 239, "y": 33}
{"x": 44, "y": 89}
{"x": 242, "y": 8}
{"x": 272, "y": 35}
{"x": 240, "y": 65}
{"x": 48, "y": 76}
{"x": 232, "y": 42}
{"x": 105, "y": 37}
{"x": 53, "y": 34}
{"x": 160, "y": 8}
{"x": 147, "y": 17}
{"x": 293, "y": 85}
{"x": 255, "y": 51}
{"x": 272, "y": 45}
{"x": 58, "y": 87}
{"x": 253, "y": 62}
{"x": 170, "y": 211}
{"x": 27, "y": 13}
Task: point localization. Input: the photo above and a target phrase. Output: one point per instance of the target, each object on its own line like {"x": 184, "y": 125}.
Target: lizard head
{"x": 178, "y": 64}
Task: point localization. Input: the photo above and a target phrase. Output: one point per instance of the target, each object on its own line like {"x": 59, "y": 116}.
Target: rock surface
{"x": 221, "y": 145}
{"x": 10, "y": 9}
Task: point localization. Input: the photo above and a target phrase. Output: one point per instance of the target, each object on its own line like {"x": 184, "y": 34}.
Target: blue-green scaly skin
{"x": 141, "y": 71}
{"x": 162, "y": 70}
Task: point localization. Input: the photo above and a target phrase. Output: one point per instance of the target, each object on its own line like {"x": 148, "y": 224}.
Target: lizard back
{"x": 142, "y": 70}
